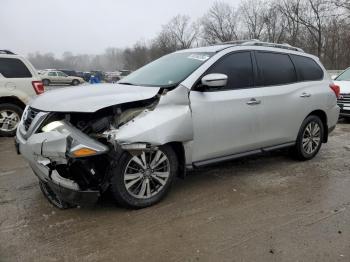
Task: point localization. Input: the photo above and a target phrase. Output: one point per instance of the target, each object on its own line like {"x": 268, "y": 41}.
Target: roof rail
{"x": 238, "y": 42}
{"x": 268, "y": 44}
{"x": 255, "y": 42}
{"x": 6, "y": 52}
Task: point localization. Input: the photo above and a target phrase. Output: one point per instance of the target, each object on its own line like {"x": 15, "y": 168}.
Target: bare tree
{"x": 275, "y": 23}
{"x": 313, "y": 16}
{"x": 180, "y": 32}
{"x": 321, "y": 27}
{"x": 342, "y": 3}
{"x": 253, "y": 12}
{"x": 290, "y": 9}
{"x": 220, "y": 23}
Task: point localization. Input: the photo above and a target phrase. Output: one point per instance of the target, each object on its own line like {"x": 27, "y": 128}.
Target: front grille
{"x": 30, "y": 115}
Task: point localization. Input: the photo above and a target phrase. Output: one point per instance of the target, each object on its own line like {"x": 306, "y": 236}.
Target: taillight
{"x": 336, "y": 89}
{"x": 38, "y": 87}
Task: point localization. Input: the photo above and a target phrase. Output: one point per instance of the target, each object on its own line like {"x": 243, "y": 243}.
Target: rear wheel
{"x": 75, "y": 82}
{"x": 10, "y": 116}
{"x": 143, "y": 180}
{"x": 309, "y": 139}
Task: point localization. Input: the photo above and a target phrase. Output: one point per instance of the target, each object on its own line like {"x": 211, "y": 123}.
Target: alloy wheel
{"x": 146, "y": 174}
{"x": 9, "y": 120}
{"x": 311, "y": 137}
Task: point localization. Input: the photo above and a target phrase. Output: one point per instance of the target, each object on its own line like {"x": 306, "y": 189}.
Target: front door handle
{"x": 253, "y": 101}
{"x": 304, "y": 94}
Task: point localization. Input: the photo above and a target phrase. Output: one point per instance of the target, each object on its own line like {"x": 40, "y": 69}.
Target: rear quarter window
{"x": 14, "y": 68}
{"x": 307, "y": 68}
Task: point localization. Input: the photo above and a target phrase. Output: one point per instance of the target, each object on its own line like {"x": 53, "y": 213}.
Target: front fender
{"x": 170, "y": 121}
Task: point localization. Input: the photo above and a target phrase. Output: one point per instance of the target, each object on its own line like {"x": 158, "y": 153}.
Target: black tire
{"x": 75, "y": 82}
{"x": 121, "y": 193}
{"x": 10, "y": 108}
{"x": 52, "y": 197}
{"x": 299, "y": 152}
{"x": 46, "y": 82}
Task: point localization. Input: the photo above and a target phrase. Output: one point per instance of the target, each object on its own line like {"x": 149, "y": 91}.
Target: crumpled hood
{"x": 344, "y": 86}
{"x": 90, "y": 98}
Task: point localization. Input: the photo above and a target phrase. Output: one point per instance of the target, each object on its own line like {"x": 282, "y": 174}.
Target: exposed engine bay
{"x": 91, "y": 171}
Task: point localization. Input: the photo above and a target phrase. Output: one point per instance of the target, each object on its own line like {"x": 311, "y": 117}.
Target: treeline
{"x": 320, "y": 27}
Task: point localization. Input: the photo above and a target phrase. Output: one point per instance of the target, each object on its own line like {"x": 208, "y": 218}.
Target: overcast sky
{"x": 87, "y": 26}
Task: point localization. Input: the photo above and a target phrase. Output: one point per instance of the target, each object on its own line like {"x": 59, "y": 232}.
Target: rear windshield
{"x": 345, "y": 76}
{"x": 168, "y": 70}
{"x": 13, "y": 68}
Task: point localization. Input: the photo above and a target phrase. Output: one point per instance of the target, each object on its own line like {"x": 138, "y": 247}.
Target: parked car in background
{"x": 112, "y": 77}
{"x": 58, "y": 77}
{"x": 99, "y": 74}
{"x": 86, "y": 76}
{"x": 19, "y": 82}
{"x": 124, "y": 73}
{"x": 187, "y": 109}
{"x": 80, "y": 74}
{"x": 68, "y": 72}
{"x": 343, "y": 81}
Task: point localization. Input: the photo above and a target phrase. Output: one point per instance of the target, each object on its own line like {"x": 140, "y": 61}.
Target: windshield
{"x": 345, "y": 76}
{"x": 168, "y": 70}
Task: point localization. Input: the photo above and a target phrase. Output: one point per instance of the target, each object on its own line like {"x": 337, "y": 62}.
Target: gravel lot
{"x": 268, "y": 208}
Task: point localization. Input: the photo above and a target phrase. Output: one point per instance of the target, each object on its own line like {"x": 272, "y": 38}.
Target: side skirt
{"x": 240, "y": 155}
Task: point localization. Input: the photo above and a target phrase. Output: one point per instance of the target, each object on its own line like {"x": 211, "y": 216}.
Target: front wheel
{"x": 309, "y": 139}
{"x": 143, "y": 180}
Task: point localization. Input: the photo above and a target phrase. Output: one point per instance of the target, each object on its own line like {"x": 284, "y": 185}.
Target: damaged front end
{"x": 71, "y": 152}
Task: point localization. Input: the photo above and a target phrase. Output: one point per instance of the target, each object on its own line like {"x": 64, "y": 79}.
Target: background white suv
{"x": 19, "y": 82}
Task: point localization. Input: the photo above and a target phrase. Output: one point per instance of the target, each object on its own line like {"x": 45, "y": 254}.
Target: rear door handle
{"x": 253, "y": 101}
{"x": 305, "y": 94}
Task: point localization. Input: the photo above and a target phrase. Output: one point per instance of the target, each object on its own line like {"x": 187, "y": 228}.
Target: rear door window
{"x": 238, "y": 68}
{"x": 275, "y": 69}
{"x": 307, "y": 68}
{"x": 52, "y": 74}
{"x": 61, "y": 74}
{"x": 14, "y": 68}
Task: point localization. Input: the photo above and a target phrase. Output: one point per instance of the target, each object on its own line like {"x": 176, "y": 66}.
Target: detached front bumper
{"x": 45, "y": 150}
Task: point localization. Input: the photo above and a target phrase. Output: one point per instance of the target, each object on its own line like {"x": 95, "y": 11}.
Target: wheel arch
{"x": 180, "y": 154}
{"x": 323, "y": 116}
{"x": 12, "y": 100}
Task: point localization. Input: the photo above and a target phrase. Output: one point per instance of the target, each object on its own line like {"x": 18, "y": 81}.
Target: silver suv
{"x": 185, "y": 110}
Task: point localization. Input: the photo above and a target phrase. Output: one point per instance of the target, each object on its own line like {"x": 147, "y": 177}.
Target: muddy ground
{"x": 268, "y": 208}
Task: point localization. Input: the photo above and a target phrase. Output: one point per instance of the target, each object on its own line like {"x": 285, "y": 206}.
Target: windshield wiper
{"x": 126, "y": 83}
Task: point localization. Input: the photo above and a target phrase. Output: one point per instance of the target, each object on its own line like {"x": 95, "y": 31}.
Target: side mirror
{"x": 214, "y": 80}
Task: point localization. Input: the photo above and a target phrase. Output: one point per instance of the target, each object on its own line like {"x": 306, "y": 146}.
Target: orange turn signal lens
{"x": 84, "y": 152}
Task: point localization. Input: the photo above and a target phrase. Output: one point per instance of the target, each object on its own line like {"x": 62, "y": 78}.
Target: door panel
{"x": 283, "y": 105}
{"x": 223, "y": 123}
{"x": 283, "y": 109}
{"x": 225, "y": 120}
